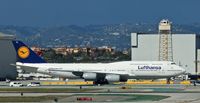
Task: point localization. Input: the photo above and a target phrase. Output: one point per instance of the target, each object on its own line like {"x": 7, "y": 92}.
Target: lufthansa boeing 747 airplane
{"x": 100, "y": 73}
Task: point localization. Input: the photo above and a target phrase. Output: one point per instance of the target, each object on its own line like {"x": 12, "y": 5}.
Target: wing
{"x": 25, "y": 67}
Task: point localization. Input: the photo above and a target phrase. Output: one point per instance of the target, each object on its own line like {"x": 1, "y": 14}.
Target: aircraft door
{"x": 162, "y": 71}
{"x": 132, "y": 72}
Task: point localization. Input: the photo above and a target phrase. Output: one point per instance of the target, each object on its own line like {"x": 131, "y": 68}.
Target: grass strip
{"x": 132, "y": 97}
{"x": 30, "y": 98}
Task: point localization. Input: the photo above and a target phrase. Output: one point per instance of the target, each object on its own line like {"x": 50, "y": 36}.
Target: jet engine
{"x": 112, "y": 78}
{"x": 115, "y": 78}
{"x": 89, "y": 76}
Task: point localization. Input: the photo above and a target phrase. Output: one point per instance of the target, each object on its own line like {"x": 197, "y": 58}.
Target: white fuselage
{"x": 130, "y": 69}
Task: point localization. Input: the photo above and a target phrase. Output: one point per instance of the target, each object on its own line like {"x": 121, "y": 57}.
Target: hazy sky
{"x": 83, "y": 12}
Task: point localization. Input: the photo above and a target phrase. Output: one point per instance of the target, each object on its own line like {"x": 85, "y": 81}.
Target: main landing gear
{"x": 168, "y": 80}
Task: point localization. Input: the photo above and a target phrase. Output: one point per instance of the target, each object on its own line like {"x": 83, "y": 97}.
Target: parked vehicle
{"x": 33, "y": 84}
{"x": 15, "y": 84}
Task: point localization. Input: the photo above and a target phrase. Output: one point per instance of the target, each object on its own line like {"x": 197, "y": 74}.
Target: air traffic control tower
{"x": 165, "y": 41}
{"x": 7, "y": 57}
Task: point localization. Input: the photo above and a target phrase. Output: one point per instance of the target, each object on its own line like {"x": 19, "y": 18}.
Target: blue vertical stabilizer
{"x": 25, "y": 54}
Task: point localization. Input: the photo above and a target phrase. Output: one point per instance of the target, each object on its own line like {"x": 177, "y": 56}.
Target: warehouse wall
{"x": 198, "y": 53}
{"x": 184, "y": 51}
{"x": 147, "y": 47}
{"x": 7, "y": 56}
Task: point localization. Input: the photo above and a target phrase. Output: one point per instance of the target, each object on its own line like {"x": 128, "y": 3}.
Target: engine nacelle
{"x": 112, "y": 78}
{"x": 89, "y": 76}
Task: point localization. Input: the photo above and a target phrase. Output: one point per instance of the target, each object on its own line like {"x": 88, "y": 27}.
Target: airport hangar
{"x": 185, "y": 49}
{"x": 7, "y": 57}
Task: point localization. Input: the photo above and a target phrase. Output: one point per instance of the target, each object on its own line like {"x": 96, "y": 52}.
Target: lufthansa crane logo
{"x": 23, "y": 52}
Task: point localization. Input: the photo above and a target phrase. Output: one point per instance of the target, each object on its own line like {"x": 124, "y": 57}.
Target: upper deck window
{"x": 157, "y": 64}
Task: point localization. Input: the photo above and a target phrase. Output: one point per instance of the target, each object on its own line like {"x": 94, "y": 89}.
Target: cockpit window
{"x": 173, "y": 63}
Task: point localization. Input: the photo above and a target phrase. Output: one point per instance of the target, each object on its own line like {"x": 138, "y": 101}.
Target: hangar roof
{"x": 6, "y": 36}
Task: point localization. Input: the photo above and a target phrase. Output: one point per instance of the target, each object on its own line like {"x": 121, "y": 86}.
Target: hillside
{"x": 113, "y": 35}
